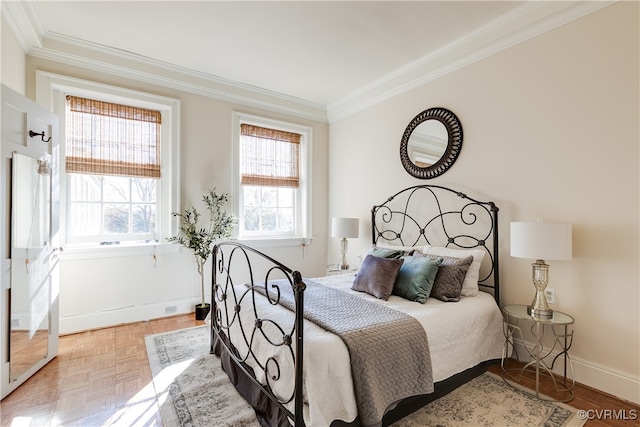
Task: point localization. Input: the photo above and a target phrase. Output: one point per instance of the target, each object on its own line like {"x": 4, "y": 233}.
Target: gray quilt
{"x": 389, "y": 351}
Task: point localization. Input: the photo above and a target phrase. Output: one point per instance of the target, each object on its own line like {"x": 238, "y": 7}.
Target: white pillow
{"x": 470, "y": 284}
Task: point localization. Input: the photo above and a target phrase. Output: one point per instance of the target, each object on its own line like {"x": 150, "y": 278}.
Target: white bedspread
{"x": 461, "y": 335}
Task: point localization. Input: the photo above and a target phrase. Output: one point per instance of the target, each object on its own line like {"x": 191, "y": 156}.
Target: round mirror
{"x": 431, "y": 143}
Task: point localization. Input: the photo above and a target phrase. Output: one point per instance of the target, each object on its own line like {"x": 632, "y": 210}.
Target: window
{"x": 111, "y": 209}
{"x": 112, "y": 158}
{"x": 119, "y": 153}
{"x": 272, "y": 178}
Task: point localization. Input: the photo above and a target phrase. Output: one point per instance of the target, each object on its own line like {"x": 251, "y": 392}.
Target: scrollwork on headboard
{"x": 440, "y": 216}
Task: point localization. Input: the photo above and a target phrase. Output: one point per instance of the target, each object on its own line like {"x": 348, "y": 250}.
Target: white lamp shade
{"x": 344, "y": 227}
{"x": 541, "y": 240}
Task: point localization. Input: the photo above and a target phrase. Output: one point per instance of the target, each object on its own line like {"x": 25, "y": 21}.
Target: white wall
{"x": 12, "y": 60}
{"x": 125, "y": 286}
{"x": 551, "y": 131}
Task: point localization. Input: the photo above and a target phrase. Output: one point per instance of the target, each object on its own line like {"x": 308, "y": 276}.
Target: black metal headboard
{"x": 439, "y": 216}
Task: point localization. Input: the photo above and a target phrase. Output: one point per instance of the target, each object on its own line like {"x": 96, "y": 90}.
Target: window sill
{"x": 72, "y": 253}
{"x": 78, "y": 252}
{"x": 275, "y": 242}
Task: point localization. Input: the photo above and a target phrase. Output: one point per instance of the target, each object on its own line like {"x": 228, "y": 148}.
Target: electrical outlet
{"x": 170, "y": 309}
{"x": 550, "y": 294}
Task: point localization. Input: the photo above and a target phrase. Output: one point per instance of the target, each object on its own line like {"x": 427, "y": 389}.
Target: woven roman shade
{"x": 269, "y": 157}
{"x": 104, "y": 138}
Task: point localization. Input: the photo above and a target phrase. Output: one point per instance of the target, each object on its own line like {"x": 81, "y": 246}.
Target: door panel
{"x": 29, "y": 257}
{"x": 13, "y": 124}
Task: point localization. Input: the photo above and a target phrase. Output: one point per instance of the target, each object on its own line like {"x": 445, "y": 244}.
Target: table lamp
{"x": 540, "y": 241}
{"x": 344, "y": 228}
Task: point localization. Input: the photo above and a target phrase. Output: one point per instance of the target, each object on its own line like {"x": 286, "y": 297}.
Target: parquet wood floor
{"x": 102, "y": 377}
{"x": 603, "y": 409}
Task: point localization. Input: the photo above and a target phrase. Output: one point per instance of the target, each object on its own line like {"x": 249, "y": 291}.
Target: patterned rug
{"x": 193, "y": 391}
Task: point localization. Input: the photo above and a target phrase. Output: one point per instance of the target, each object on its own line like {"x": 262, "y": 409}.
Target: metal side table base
{"x": 555, "y": 348}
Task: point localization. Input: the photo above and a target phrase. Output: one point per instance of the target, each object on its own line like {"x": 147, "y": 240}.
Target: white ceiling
{"x": 325, "y": 53}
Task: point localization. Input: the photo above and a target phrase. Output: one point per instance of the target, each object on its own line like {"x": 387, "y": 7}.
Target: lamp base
{"x": 539, "y": 307}
{"x": 344, "y": 245}
{"x": 543, "y": 314}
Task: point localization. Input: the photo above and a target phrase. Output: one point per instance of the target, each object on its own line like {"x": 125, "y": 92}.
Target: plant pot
{"x": 202, "y": 310}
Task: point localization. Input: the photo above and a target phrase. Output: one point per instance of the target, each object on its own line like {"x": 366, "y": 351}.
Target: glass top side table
{"x": 543, "y": 353}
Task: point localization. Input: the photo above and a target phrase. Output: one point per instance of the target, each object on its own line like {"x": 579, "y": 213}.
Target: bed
{"x": 333, "y": 350}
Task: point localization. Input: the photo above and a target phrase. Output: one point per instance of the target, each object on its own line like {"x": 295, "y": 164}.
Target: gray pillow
{"x": 451, "y": 273}
{"x": 377, "y": 276}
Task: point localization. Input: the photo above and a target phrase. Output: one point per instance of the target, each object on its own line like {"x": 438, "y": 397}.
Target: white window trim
{"x": 49, "y": 90}
{"x": 304, "y": 221}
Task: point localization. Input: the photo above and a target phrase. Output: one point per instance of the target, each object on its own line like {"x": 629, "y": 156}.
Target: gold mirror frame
{"x": 451, "y": 152}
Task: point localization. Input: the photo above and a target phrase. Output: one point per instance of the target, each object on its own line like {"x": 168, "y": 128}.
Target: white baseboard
{"x": 88, "y": 321}
{"x": 603, "y": 378}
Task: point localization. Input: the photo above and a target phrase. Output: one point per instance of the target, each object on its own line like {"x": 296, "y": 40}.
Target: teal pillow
{"x": 415, "y": 278}
{"x": 387, "y": 252}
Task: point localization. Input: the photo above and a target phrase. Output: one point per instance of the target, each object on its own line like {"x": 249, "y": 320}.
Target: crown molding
{"x": 522, "y": 23}
{"x": 518, "y": 25}
{"x": 25, "y": 23}
{"x": 133, "y": 67}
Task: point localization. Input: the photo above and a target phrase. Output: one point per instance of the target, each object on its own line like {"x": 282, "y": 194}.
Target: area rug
{"x": 193, "y": 391}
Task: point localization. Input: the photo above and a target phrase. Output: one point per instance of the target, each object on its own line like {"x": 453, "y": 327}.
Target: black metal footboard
{"x": 238, "y": 270}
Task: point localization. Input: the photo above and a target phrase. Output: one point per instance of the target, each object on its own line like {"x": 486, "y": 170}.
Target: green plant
{"x": 200, "y": 239}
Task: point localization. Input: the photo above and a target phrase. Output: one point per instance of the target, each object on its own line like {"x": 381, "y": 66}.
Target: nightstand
{"x": 544, "y": 354}
{"x": 333, "y": 270}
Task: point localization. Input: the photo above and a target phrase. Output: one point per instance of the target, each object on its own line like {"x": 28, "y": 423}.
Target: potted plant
{"x": 200, "y": 239}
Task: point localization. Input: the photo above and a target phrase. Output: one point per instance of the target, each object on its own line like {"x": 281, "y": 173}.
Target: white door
{"x": 29, "y": 246}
